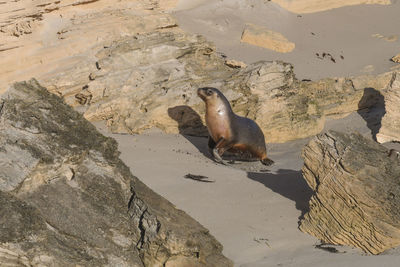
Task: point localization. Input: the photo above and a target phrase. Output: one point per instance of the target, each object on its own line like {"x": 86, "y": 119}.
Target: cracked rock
{"x": 356, "y": 197}
{"x": 67, "y": 199}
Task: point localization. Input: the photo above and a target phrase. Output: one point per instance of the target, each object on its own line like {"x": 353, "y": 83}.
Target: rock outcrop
{"x": 312, "y": 6}
{"x": 287, "y": 109}
{"x": 390, "y": 124}
{"x": 67, "y": 199}
{"x": 39, "y": 38}
{"x": 357, "y": 192}
{"x": 396, "y": 58}
{"x": 263, "y": 37}
{"x": 136, "y": 80}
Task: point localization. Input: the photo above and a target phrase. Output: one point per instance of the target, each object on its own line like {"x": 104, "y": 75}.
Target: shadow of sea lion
{"x": 288, "y": 183}
{"x": 191, "y": 127}
{"x": 371, "y": 108}
{"x": 189, "y": 121}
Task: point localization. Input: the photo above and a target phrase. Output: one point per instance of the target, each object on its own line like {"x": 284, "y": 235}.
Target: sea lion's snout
{"x": 205, "y": 92}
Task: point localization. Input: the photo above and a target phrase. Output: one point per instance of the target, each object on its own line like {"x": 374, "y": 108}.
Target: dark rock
{"x": 67, "y": 199}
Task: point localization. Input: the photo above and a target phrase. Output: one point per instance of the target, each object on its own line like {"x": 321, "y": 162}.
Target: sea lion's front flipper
{"x": 219, "y": 149}
{"x": 217, "y": 157}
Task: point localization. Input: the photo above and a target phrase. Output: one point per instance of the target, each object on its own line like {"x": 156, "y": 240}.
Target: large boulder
{"x": 288, "y": 109}
{"x": 356, "y": 187}
{"x": 390, "y": 124}
{"x": 136, "y": 80}
{"x": 67, "y": 199}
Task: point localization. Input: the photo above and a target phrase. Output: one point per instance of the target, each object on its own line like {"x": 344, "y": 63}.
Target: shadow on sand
{"x": 191, "y": 127}
{"x": 372, "y": 108}
{"x": 288, "y": 183}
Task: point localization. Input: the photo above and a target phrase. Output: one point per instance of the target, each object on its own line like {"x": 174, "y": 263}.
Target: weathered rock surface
{"x": 390, "y": 124}
{"x": 287, "y": 109}
{"x": 311, "y": 6}
{"x": 396, "y": 58}
{"x": 45, "y": 37}
{"x": 235, "y": 63}
{"x": 67, "y": 199}
{"x": 357, "y": 192}
{"x": 388, "y": 38}
{"x": 136, "y": 80}
{"x": 263, "y": 37}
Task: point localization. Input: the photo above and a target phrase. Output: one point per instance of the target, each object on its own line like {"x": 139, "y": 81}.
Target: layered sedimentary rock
{"x": 263, "y": 37}
{"x": 44, "y": 37}
{"x": 357, "y": 192}
{"x": 287, "y": 109}
{"x": 390, "y": 124}
{"x": 67, "y": 199}
{"x": 311, "y": 6}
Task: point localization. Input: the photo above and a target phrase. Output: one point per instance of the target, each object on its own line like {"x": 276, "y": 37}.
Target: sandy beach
{"x": 366, "y": 36}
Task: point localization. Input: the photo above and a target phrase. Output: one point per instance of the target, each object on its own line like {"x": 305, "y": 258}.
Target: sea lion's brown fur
{"x": 230, "y": 131}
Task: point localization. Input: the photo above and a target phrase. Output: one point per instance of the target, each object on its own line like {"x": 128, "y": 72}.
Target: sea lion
{"x": 230, "y": 131}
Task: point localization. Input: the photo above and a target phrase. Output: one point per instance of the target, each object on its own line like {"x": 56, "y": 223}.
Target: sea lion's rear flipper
{"x": 267, "y": 162}
{"x": 217, "y": 157}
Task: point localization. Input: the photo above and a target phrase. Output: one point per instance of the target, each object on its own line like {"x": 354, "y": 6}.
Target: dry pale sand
{"x": 252, "y": 210}
{"x": 347, "y": 31}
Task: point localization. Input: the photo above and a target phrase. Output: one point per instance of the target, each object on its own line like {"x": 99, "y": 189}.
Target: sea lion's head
{"x": 210, "y": 94}
{"x": 214, "y": 99}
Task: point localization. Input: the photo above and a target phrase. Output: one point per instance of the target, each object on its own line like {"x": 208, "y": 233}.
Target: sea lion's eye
{"x": 209, "y": 92}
